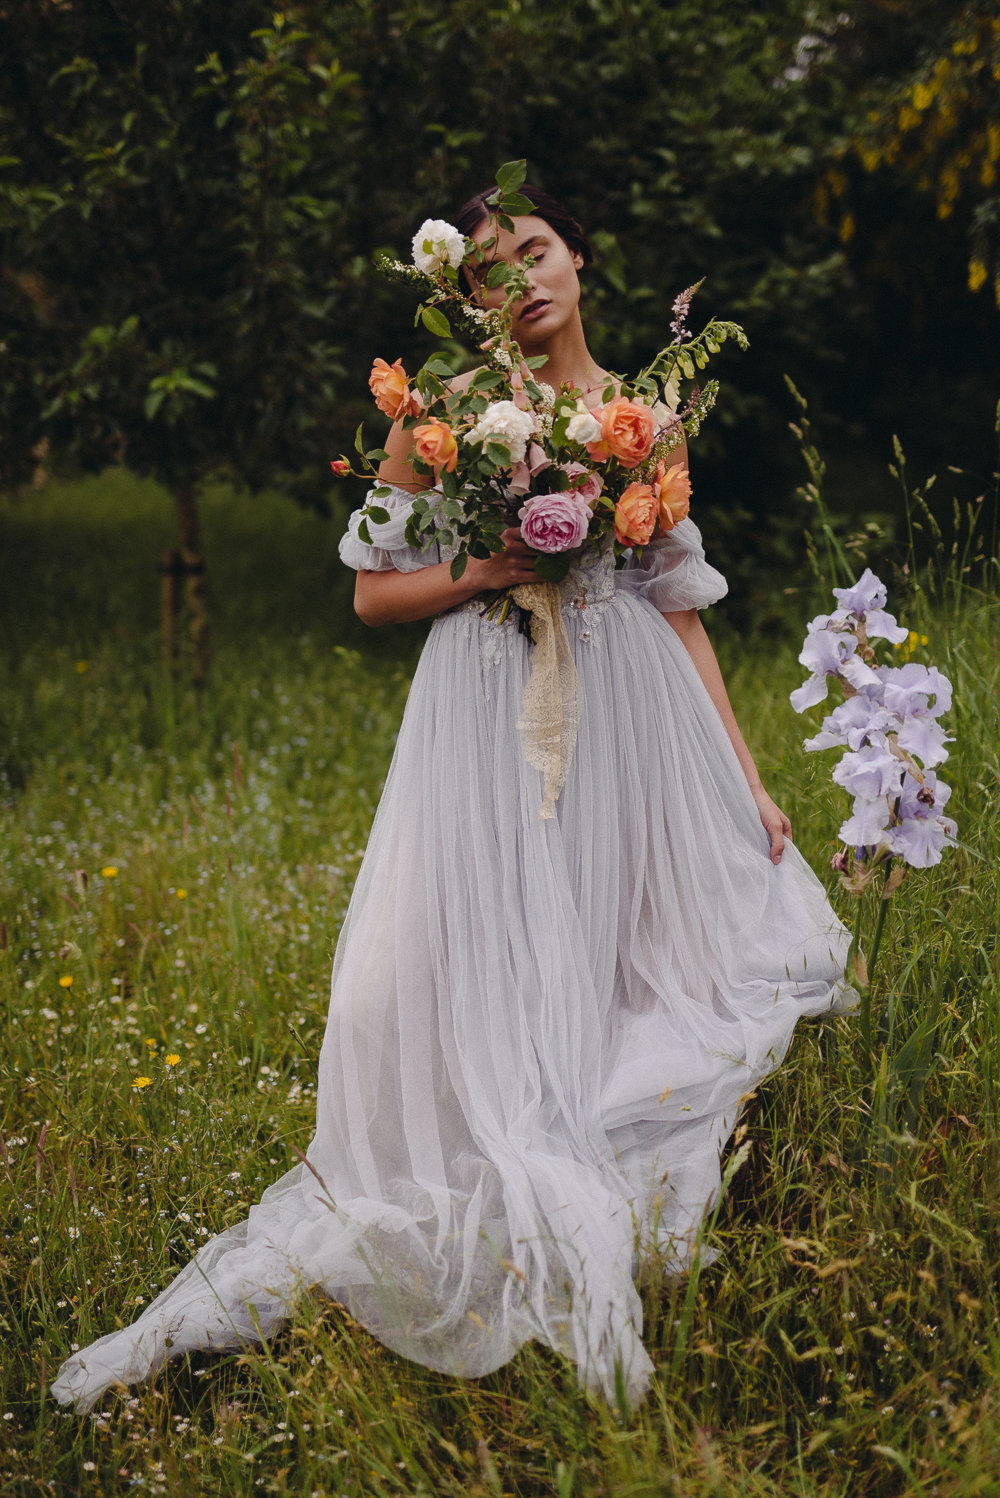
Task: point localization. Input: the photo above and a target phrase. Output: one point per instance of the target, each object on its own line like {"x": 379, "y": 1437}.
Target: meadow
{"x": 172, "y": 883}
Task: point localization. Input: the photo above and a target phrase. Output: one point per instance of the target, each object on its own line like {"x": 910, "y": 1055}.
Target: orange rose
{"x": 672, "y": 488}
{"x": 434, "y": 444}
{"x": 627, "y": 429}
{"x": 389, "y": 384}
{"x": 635, "y": 515}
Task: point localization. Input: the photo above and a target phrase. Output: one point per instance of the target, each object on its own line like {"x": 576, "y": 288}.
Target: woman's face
{"x": 554, "y": 294}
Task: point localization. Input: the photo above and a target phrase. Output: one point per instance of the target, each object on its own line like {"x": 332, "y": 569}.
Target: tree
{"x": 172, "y": 241}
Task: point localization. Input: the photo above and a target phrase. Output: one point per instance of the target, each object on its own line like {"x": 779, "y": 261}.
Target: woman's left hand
{"x": 775, "y": 823}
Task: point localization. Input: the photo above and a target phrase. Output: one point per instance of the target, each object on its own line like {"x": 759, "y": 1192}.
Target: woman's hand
{"x": 504, "y": 569}
{"x": 775, "y": 823}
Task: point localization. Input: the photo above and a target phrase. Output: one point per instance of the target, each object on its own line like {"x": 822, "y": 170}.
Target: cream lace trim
{"x": 550, "y": 707}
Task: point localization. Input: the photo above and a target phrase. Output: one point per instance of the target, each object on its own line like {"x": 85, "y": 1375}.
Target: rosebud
{"x": 340, "y": 467}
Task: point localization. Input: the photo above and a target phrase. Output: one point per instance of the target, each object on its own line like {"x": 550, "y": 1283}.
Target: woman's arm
{"x": 688, "y": 627}
{"x": 398, "y": 597}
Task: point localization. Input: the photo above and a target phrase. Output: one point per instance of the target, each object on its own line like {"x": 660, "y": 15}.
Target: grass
{"x": 170, "y": 892}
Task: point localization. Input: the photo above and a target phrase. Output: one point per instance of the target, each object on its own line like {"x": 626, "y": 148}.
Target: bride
{"x": 541, "y": 1031}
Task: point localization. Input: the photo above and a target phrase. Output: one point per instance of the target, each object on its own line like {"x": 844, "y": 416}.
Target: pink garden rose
{"x": 555, "y": 522}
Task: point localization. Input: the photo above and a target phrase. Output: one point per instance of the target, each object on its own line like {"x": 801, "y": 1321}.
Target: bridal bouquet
{"x": 508, "y": 449}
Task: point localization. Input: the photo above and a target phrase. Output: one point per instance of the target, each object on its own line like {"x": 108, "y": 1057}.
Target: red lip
{"x": 533, "y": 310}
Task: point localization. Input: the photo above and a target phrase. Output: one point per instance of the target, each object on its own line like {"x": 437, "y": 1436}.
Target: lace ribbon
{"x": 550, "y": 707}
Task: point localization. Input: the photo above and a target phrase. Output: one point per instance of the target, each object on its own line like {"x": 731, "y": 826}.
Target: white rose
{"x": 437, "y": 244}
{"x": 583, "y": 427}
{"x": 508, "y": 422}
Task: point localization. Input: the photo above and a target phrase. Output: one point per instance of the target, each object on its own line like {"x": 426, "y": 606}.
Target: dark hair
{"x": 472, "y": 213}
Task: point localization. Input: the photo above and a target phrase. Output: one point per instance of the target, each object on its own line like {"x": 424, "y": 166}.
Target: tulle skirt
{"x": 540, "y": 1032}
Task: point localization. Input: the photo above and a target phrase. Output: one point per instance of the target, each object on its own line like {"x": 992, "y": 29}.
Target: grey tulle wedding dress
{"x": 540, "y": 1030}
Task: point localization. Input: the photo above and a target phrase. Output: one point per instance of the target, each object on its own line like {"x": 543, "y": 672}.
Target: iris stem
{"x": 865, "y": 1013}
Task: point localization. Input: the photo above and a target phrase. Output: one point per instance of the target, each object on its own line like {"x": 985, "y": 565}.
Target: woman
{"x": 541, "y": 1031}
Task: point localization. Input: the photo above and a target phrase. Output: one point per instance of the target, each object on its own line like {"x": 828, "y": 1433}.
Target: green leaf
{"x": 364, "y": 534}
{"x": 154, "y": 400}
{"x": 377, "y": 515}
{"x": 553, "y": 567}
{"x": 359, "y": 446}
{"x": 511, "y": 175}
{"x": 440, "y": 364}
{"x": 435, "y": 322}
{"x": 376, "y": 455}
{"x": 518, "y": 204}
{"x": 536, "y": 361}
{"x": 458, "y": 566}
{"x": 498, "y": 452}
{"x": 497, "y": 275}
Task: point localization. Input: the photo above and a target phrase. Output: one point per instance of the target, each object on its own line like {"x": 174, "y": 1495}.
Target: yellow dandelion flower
{"x": 977, "y": 274}
{"x": 140, "y": 1082}
{"x": 181, "y": 894}
{"x": 66, "y": 981}
{"x": 109, "y": 872}
{"x": 151, "y": 1043}
{"x": 172, "y": 1059}
{"x": 82, "y": 667}
{"x": 845, "y": 232}
{"x": 923, "y": 96}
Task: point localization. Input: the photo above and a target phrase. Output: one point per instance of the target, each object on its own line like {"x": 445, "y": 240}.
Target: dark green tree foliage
{"x": 170, "y": 276}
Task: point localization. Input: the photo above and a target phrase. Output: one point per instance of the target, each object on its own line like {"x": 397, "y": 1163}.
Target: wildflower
{"x": 181, "y": 894}
{"x": 151, "y": 1043}
{"x": 140, "y": 1082}
{"x": 109, "y": 872}
{"x": 66, "y": 981}
{"x": 173, "y": 1059}
{"x": 82, "y": 667}
{"x": 340, "y": 467}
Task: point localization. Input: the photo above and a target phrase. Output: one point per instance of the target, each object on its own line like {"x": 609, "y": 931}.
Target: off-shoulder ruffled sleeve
{"x": 388, "y": 548}
{"x": 672, "y": 572}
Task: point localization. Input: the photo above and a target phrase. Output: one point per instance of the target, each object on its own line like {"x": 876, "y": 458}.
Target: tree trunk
{"x": 196, "y": 593}
{"x": 170, "y": 608}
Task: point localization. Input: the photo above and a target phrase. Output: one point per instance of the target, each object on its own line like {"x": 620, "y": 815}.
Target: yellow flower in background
{"x": 140, "y": 1083}
{"x": 109, "y": 872}
{"x": 181, "y": 894}
{"x": 66, "y": 981}
{"x": 172, "y": 1059}
{"x": 82, "y": 666}
{"x": 151, "y": 1043}
{"x": 909, "y": 645}
{"x": 977, "y": 274}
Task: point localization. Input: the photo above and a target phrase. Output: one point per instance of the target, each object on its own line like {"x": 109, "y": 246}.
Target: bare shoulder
{"x": 457, "y": 383}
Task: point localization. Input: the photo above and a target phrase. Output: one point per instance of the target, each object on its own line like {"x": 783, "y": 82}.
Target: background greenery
{"x": 191, "y": 194}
